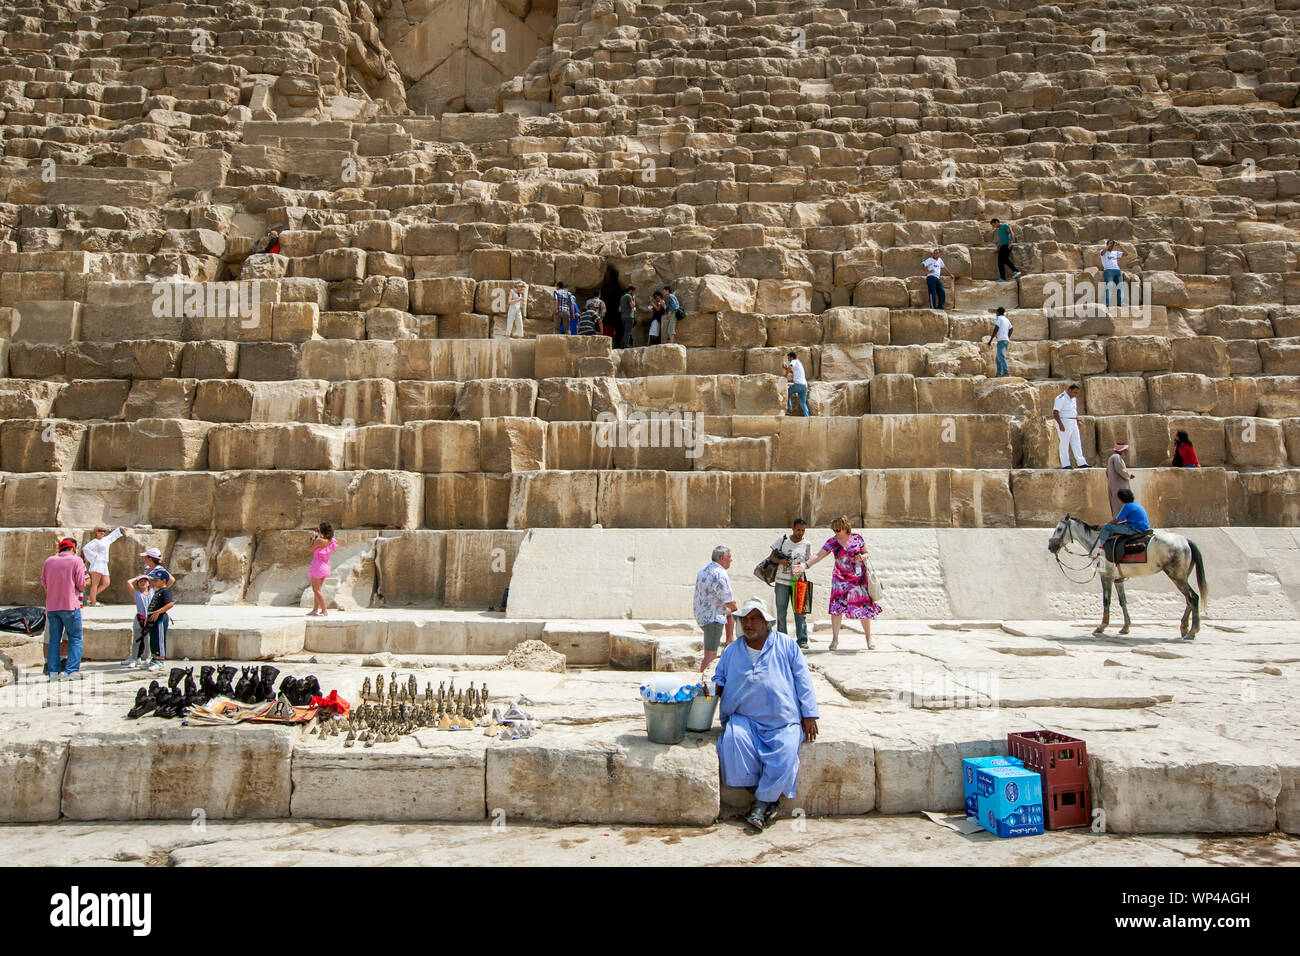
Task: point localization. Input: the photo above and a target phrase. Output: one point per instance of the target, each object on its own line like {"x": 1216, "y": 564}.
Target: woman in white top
{"x": 515, "y": 309}
{"x": 95, "y": 551}
{"x": 1110, "y": 257}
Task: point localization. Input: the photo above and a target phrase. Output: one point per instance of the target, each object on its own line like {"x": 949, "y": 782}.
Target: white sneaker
{"x": 128, "y": 662}
{"x": 154, "y": 666}
{"x": 75, "y": 675}
{"x": 54, "y": 677}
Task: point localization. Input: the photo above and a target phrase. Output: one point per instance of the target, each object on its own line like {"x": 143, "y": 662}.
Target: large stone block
{"x": 1117, "y": 395}
{"x": 286, "y": 447}
{"x": 444, "y": 296}
{"x": 761, "y": 500}
{"x": 478, "y": 566}
{"x": 1043, "y": 497}
{"x": 1139, "y": 353}
{"x": 949, "y": 441}
{"x": 513, "y": 444}
{"x": 407, "y": 783}
{"x": 917, "y": 326}
{"x": 466, "y": 501}
{"x": 1183, "y": 497}
{"x": 49, "y": 445}
{"x": 856, "y": 326}
{"x": 1255, "y": 442}
{"x": 560, "y": 355}
{"x": 552, "y": 499}
{"x": 168, "y": 444}
{"x": 1188, "y": 781}
{"x": 435, "y": 447}
{"x": 384, "y": 499}
{"x": 168, "y": 772}
{"x": 31, "y": 778}
{"x": 1182, "y": 392}
{"x": 574, "y": 776}
{"x": 496, "y": 397}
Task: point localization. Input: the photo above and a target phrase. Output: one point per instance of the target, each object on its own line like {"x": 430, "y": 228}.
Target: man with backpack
{"x": 668, "y": 326}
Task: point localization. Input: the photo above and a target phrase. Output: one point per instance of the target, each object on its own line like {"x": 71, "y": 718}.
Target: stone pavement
{"x": 856, "y": 841}
{"x": 1183, "y": 737}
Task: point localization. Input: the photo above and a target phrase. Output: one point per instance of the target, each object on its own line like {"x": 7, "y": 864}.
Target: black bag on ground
{"x": 23, "y": 620}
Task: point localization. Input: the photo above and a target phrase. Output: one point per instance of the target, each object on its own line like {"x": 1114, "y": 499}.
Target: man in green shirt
{"x": 1004, "y": 250}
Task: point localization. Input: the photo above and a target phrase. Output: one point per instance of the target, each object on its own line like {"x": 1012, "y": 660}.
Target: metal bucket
{"x": 701, "y": 716}
{"x": 666, "y": 723}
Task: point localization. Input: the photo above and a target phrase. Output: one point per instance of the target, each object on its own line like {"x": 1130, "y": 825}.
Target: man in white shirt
{"x": 798, "y": 384}
{"x": 934, "y": 270}
{"x": 786, "y": 551}
{"x": 1002, "y": 331}
{"x": 1111, "y": 271}
{"x": 1066, "y": 412}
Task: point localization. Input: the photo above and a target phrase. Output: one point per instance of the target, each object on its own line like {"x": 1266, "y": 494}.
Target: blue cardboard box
{"x": 1009, "y": 801}
{"x": 971, "y": 766}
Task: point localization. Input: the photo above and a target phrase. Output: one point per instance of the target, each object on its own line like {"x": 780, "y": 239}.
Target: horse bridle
{"x": 1065, "y": 568}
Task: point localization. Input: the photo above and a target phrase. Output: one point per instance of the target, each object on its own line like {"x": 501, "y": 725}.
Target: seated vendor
{"x": 768, "y": 708}
{"x": 1131, "y": 520}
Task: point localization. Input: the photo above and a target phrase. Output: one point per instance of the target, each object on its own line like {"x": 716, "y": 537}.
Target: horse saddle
{"x": 1128, "y": 549}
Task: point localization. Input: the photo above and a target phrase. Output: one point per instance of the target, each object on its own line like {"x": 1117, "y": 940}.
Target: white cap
{"x": 753, "y": 604}
{"x": 151, "y": 553}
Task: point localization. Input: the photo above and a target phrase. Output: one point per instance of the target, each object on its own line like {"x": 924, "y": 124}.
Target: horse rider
{"x": 1132, "y": 520}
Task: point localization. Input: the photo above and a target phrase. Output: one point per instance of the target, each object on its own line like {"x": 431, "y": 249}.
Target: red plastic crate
{"x": 1065, "y": 807}
{"x": 1062, "y": 760}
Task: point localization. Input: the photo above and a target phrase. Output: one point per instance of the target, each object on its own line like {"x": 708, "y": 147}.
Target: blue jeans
{"x": 934, "y": 286}
{"x": 784, "y": 594}
{"x": 1116, "y": 277}
{"x": 58, "y": 624}
{"x": 158, "y": 637}
{"x": 1003, "y": 369}
{"x": 800, "y": 391}
{"x": 1111, "y": 528}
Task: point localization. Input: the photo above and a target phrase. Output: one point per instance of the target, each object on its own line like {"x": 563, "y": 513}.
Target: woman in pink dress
{"x": 849, "y": 595}
{"x": 323, "y": 544}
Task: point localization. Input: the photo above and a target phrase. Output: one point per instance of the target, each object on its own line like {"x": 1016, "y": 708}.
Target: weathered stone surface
{"x": 407, "y": 783}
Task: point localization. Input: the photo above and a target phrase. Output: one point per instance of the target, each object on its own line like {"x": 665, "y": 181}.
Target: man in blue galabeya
{"x": 768, "y": 710}
{"x": 1131, "y": 520}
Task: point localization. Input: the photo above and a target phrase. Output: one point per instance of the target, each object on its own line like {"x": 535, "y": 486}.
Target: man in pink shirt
{"x": 63, "y": 576}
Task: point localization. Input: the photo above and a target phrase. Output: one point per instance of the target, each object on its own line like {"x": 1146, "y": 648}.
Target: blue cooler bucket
{"x": 666, "y": 723}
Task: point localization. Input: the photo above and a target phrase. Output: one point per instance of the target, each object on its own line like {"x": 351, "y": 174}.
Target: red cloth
{"x": 333, "y": 703}
{"x": 1186, "y": 456}
{"x": 63, "y": 576}
{"x": 274, "y": 248}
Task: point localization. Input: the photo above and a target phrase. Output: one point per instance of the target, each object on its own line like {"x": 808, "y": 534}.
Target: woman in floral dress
{"x": 849, "y": 596}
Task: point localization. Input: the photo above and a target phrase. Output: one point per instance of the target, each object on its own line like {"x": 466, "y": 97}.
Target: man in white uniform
{"x": 1066, "y": 412}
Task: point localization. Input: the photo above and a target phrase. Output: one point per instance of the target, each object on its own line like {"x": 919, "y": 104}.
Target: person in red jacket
{"x": 1184, "y": 453}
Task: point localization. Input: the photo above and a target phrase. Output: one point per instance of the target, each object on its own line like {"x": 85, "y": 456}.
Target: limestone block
{"x": 893, "y": 394}
{"x": 979, "y": 499}
{"x": 31, "y": 778}
{"x": 828, "y": 494}
{"x": 179, "y": 500}
{"x": 856, "y": 326}
{"x": 479, "y": 565}
{"x": 168, "y": 444}
{"x": 579, "y": 446}
{"x": 839, "y": 398}
{"x": 1202, "y": 354}
{"x": 161, "y": 398}
{"x": 223, "y": 401}
{"x": 1139, "y": 353}
{"x": 89, "y": 498}
{"x": 950, "y": 441}
{"x": 552, "y": 499}
{"x": 496, "y": 397}
{"x": 1042, "y": 497}
{"x": 919, "y": 770}
{"x": 1005, "y": 396}
{"x": 443, "y": 783}
{"x": 559, "y": 355}
{"x": 466, "y": 501}
{"x": 1184, "y": 392}
{"x": 1280, "y": 356}
{"x": 1148, "y": 438}
{"x": 577, "y": 399}
{"x": 756, "y": 498}
{"x": 1279, "y": 397}
{"x": 908, "y": 497}
{"x": 815, "y": 444}
{"x": 917, "y": 326}
{"x": 338, "y": 265}
{"x": 257, "y": 500}
{"x": 511, "y": 444}
{"x": 726, "y": 294}
{"x": 49, "y": 445}
{"x": 27, "y": 398}
{"x": 106, "y": 445}
{"x": 337, "y": 360}
{"x": 1271, "y": 498}
{"x": 734, "y": 454}
{"x": 443, "y": 296}
{"x": 899, "y": 359}
{"x": 1040, "y": 443}
{"x": 1183, "y": 497}
{"x": 266, "y": 447}
{"x": 1075, "y": 359}
{"x": 410, "y": 568}
{"x": 783, "y": 297}
{"x": 100, "y": 398}
{"x": 956, "y": 358}
{"x": 1117, "y": 395}
{"x": 881, "y": 291}
{"x": 1241, "y": 396}
{"x": 384, "y": 499}
{"x": 572, "y": 776}
{"x": 48, "y": 322}
{"x": 667, "y": 359}
{"x": 1255, "y": 442}
{"x": 740, "y": 330}
{"x": 166, "y": 772}
{"x": 370, "y": 401}
{"x": 1161, "y": 782}
{"x": 424, "y": 401}
{"x": 436, "y": 446}
{"x": 847, "y": 363}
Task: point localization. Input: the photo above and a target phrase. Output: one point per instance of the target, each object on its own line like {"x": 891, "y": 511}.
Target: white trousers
{"x": 1070, "y": 441}
{"x": 514, "y": 320}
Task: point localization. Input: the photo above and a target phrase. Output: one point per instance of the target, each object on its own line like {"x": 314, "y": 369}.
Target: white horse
{"x": 1171, "y": 553}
